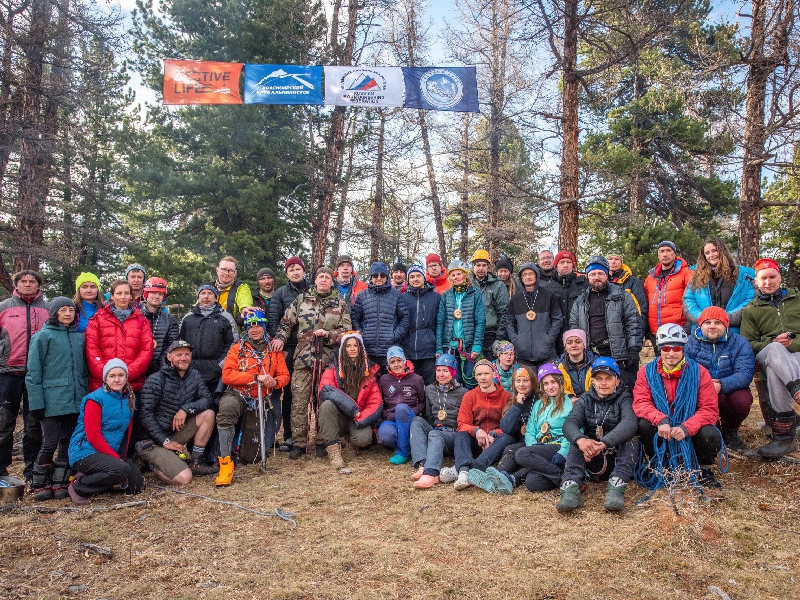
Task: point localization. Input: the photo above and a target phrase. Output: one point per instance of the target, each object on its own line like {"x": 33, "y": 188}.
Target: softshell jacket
{"x": 695, "y": 300}
{"x": 576, "y": 381}
{"x": 534, "y": 340}
{"x": 614, "y": 412}
{"x": 622, "y": 321}
{"x": 406, "y": 388}
{"x": 516, "y": 417}
{"x": 634, "y": 286}
{"x": 57, "y": 378}
{"x": 86, "y": 312}
{"x": 107, "y": 338}
{"x": 447, "y": 398}
{"x": 380, "y": 314}
{"x": 473, "y": 318}
{"x": 730, "y": 359}
{"x": 242, "y": 365}
{"x": 762, "y": 322}
{"x": 19, "y": 320}
{"x": 555, "y": 425}
{"x": 235, "y": 298}
{"x": 495, "y": 304}
{"x": 423, "y": 307}
{"x": 281, "y": 300}
{"x": 369, "y": 401}
{"x": 211, "y": 336}
{"x": 115, "y": 423}
{"x": 311, "y": 311}
{"x": 665, "y": 294}
{"x": 567, "y": 288}
{"x": 439, "y": 284}
{"x": 480, "y": 410}
{"x": 707, "y": 402}
{"x": 165, "y": 331}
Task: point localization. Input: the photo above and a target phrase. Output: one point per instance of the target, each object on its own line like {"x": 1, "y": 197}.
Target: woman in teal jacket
{"x": 718, "y": 281}
{"x": 57, "y": 380}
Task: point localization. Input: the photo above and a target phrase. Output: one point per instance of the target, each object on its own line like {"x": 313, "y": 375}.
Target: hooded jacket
{"x": 423, "y": 307}
{"x": 623, "y": 321}
{"x": 369, "y": 402}
{"x": 730, "y": 359}
{"x": 534, "y": 340}
{"x": 614, "y": 413}
{"x": 634, "y": 286}
{"x": 211, "y": 336}
{"x": 447, "y": 398}
{"x": 473, "y": 318}
{"x": 762, "y": 322}
{"x": 576, "y": 381}
{"x": 439, "y": 284}
{"x": 380, "y": 314}
{"x": 665, "y": 294}
{"x": 282, "y": 298}
{"x": 406, "y": 388}
{"x": 19, "y": 320}
{"x": 480, "y": 410}
{"x": 164, "y": 328}
{"x": 495, "y": 303}
{"x": 695, "y": 300}
{"x": 57, "y": 378}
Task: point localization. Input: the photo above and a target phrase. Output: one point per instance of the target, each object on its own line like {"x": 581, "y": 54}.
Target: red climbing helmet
{"x": 154, "y": 284}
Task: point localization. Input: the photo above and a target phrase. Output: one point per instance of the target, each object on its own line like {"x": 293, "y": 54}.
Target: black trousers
{"x": 706, "y": 442}
{"x": 56, "y": 433}
{"x": 101, "y": 472}
{"x": 12, "y": 393}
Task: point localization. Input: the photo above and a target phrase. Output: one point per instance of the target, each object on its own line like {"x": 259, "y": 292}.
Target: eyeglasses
{"x": 227, "y": 270}
{"x": 671, "y": 348}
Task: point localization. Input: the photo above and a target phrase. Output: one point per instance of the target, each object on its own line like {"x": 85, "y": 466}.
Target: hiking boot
{"x": 201, "y": 468}
{"x": 60, "y": 481}
{"x": 297, "y": 452}
{"x": 321, "y": 451}
{"x": 225, "y": 475}
{"x": 286, "y": 446}
{"x": 570, "y": 497}
{"x": 335, "y": 455}
{"x": 77, "y": 499}
{"x": 399, "y": 459}
{"x": 448, "y": 475}
{"x": 732, "y": 440}
{"x": 615, "y": 495}
{"x": 419, "y": 473}
{"x": 707, "y": 479}
{"x": 42, "y": 482}
{"x": 425, "y": 482}
{"x": 463, "y": 481}
{"x": 784, "y": 427}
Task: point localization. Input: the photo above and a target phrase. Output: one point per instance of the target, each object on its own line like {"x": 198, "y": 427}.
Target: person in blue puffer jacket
{"x": 422, "y": 303}
{"x": 718, "y": 281}
{"x": 380, "y": 314}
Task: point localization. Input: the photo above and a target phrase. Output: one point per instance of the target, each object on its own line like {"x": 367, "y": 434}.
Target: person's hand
{"x": 174, "y": 446}
{"x": 520, "y": 398}
{"x": 678, "y": 433}
{"x": 586, "y": 446}
{"x": 179, "y": 420}
{"x": 247, "y": 310}
{"x": 267, "y": 380}
{"x": 783, "y": 340}
{"x": 717, "y": 385}
{"x": 276, "y": 345}
{"x": 481, "y": 437}
{"x": 320, "y": 332}
{"x": 473, "y": 355}
{"x": 665, "y": 431}
{"x": 357, "y": 415}
{"x": 438, "y": 354}
{"x": 558, "y": 460}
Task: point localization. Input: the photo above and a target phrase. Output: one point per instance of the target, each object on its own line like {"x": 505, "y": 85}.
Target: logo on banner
{"x": 441, "y": 88}
{"x": 363, "y": 85}
{"x": 267, "y": 84}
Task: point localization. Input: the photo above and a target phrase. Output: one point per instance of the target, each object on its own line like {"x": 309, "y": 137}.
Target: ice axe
{"x": 261, "y": 425}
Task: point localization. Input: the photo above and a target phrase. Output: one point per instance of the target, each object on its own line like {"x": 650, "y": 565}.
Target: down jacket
{"x": 406, "y": 388}
{"x": 57, "y": 378}
{"x": 623, "y": 321}
{"x": 369, "y": 401}
{"x": 695, "y": 300}
{"x": 534, "y": 340}
{"x": 211, "y": 336}
{"x": 380, "y": 314}
{"x": 19, "y": 320}
{"x": 495, "y": 304}
{"x": 567, "y": 288}
{"x": 115, "y": 423}
{"x": 473, "y": 318}
{"x": 614, "y": 413}
{"x": 665, "y": 294}
{"x": 107, "y": 338}
{"x": 165, "y": 393}
{"x": 423, "y": 307}
{"x": 165, "y": 331}
{"x": 730, "y": 359}
{"x": 447, "y": 398}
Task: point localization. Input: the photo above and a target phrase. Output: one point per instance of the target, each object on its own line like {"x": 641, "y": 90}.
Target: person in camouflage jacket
{"x": 319, "y": 312}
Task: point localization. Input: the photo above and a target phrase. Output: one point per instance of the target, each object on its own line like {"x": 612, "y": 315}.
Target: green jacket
{"x": 57, "y": 378}
{"x": 762, "y": 322}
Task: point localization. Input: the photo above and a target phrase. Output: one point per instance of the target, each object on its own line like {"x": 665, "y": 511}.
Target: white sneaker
{"x": 463, "y": 481}
{"x": 448, "y": 475}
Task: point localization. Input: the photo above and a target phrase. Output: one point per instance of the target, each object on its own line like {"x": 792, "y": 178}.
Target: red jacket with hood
{"x": 369, "y": 399}
{"x": 665, "y": 294}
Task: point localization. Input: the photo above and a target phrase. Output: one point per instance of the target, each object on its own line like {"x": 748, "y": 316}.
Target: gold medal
{"x": 530, "y": 315}
{"x": 599, "y": 431}
{"x": 442, "y": 415}
{"x": 545, "y": 429}
{"x": 523, "y": 429}
{"x": 243, "y": 364}
{"x": 457, "y": 313}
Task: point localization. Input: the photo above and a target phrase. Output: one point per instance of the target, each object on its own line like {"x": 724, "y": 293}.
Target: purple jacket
{"x": 408, "y": 388}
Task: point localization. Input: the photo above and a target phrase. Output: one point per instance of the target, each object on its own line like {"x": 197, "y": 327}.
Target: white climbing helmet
{"x": 671, "y": 333}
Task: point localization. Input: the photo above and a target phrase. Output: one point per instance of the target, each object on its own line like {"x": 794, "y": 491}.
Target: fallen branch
{"x": 10, "y": 508}
{"x": 103, "y": 551}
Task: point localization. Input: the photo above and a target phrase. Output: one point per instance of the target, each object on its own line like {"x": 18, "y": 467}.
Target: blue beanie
{"x": 395, "y": 352}
{"x": 415, "y": 268}
{"x": 668, "y": 244}
{"x": 597, "y": 262}
{"x": 379, "y": 267}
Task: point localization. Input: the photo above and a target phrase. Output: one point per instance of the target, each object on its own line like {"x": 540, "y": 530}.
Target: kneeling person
{"x": 176, "y": 407}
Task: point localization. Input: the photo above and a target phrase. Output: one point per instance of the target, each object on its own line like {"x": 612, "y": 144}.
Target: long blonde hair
{"x": 558, "y": 401}
{"x": 726, "y": 269}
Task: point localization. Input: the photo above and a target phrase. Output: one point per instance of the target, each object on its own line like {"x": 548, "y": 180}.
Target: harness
{"x": 248, "y": 352}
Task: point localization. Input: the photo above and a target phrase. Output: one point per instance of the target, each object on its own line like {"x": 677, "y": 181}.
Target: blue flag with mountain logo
{"x": 441, "y": 88}
{"x": 282, "y": 84}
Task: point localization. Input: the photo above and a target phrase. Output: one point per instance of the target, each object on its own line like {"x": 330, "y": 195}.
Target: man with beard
{"x": 567, "y": 285}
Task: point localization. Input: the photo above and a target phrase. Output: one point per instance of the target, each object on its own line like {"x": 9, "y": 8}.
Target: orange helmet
{"x": 154, "y": 284}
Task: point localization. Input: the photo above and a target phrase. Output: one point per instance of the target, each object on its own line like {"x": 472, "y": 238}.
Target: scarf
{"x": 121, "y": 313}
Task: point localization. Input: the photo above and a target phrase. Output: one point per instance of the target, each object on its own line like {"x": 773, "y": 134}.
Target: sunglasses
{"x": 378, "y": 276}
{"x": 671, "y": 348}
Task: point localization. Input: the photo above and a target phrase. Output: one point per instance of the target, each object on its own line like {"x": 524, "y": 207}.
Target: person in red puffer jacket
{"x": 665, "y": 285}
{"x": 119, "y": 331}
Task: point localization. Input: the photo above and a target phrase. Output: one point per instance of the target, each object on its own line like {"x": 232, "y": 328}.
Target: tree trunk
{"x": 376, "y": 231}
{"x": 500, "y": 25}
{"x": 337, "y": 232}
{"x": 568, "y": 206}
{"x": 464, "y": 206}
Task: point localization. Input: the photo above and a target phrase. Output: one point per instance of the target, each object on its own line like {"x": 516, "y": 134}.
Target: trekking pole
{"x": 311, "y": 418}
{"x": 261, "y": 425}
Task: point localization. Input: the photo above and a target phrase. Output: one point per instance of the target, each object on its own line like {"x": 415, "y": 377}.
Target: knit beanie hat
{"x": 713, "y": 312}
{"x": 346, "y": 336}
{"x": 398, "y": 266}
{"x": 294, "y": 260}
{"x": 395, "y": 352}
{"x": 59, "y": 302}
{"x": 208, "y": 286}
{"x": 597, "y": 262}
{"x": 432, "y": 258}
{"x": 378, "y": 268}
{"x": 113, "y": 364}
{"x": 415, "y": 268}
{"x": 265, "y": 271}
{"x": 326, "y": 270}
{"x": 565, "y": 254}
{"x": 135, "y": 267}
{"x": 578, "y": 333}
{"x": 344, "y": 258}
{"x": 668, "y": 244}
{"x": 86, "y": 278}
{"x": 504, "y": 263}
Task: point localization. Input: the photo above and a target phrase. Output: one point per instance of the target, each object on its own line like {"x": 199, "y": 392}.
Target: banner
{"x": 441, "y": 88}
{"x": 282, "y": 84}
{"x": 201, "y": 82}
{"x": 364, "y": 86}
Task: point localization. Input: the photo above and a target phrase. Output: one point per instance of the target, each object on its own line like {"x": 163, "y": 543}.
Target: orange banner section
{"x": 201, "y": 82}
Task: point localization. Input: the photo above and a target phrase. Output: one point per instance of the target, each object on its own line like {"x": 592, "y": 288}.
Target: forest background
{"x": 604, "y": 126}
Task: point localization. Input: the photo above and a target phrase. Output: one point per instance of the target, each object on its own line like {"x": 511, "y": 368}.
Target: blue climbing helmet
{"x": 255, "y": 317}
{"x": 446, "y": 360}
{"x": 605, "y": 364}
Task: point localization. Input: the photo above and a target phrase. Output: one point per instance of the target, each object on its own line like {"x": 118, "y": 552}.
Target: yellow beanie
{"x": 86, "y": 278}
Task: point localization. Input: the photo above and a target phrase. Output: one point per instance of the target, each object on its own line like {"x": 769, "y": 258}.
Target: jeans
{"x": 12, "y": 392}
{"x": 618, "y": 461}
{"x": 56, "y": 433}
{"x": 533, "y": 465}
{"x": 395, "y": 434}
{"x": 429, "y": 445}
{"x": 469, "y": 455}
{"x": 706, "y": 442}
{"x": 102, "y": 471}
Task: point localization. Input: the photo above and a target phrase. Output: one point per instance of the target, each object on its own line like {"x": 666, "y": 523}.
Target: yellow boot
{"x": 225, "y": 475}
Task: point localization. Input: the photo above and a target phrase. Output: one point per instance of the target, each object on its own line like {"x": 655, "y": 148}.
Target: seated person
{"x": 504, "y": 365}
{"x": 403, "y": 394}
{"x": 100, "y": 439}
{"x": 601, "y": 429}
{"x": 674, "y": 399}
{"x": 249, "y": 364}
{"x": 730, "y": 360}
{"x": 771, "y": 323}
{"x": 576, "y": 362}
{"x": 434, "y": 435}
{"x": 350, "y": 399}
{"x": 479, "y": 432}
{"x": 540, "y": 460}
{"x": 176, "y": 407}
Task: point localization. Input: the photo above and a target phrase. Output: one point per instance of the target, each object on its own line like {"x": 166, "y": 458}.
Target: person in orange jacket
{"x": 249, "y": 363}
{"x": 665, "y": 285}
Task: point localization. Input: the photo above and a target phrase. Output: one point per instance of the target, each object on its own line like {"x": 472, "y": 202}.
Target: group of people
{"x": 530, "y": 380}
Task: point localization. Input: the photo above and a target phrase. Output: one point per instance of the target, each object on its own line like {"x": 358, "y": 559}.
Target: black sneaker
{"x": 732, "y": 440}
{"x": 707, "y": 480}
{"x": 321, "y": 451}
{"x": 297, "y": 452}
{"x": 285, "y": 446}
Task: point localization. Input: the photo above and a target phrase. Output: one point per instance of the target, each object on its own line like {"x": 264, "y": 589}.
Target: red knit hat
{"x": 565, "y": 254}
{"x": 766, "y": 263}
{"x": 432, "y": 258}
{"x": 713, "y": 312}
{"x": 294, "y": 260}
